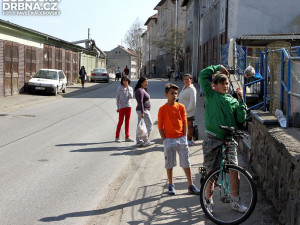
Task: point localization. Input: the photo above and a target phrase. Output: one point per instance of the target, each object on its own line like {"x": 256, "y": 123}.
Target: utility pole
{"x": 176, "y": 24}
{"x": 149, "y": 54}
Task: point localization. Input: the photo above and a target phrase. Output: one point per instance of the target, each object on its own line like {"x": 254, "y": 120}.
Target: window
{"x": 61, "y": 75}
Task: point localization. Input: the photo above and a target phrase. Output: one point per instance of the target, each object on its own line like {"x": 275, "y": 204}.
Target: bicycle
{"x": 218, "y": 182}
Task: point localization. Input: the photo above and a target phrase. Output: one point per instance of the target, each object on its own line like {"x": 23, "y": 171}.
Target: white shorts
{"x": 171, "y": 145}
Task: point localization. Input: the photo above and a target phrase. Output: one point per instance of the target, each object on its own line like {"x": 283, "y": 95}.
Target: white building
{"x": 122, "y": 57}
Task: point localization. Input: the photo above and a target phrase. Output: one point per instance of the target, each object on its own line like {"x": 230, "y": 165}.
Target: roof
{"x": 129, "y": 51}
{"x": 159, "y": 4}
{"x": 145, "y": 33}
{"x": 154, "y": 17}
{"x": 4, "y": 23}
{"x": 270, "y": 36}
{"x": 265, "y": 39}
{"x": 48, "y": 37}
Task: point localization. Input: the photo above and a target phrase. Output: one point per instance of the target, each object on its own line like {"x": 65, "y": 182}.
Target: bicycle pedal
{"x": 225, "y": 199}
{"x": 203, "y": 170}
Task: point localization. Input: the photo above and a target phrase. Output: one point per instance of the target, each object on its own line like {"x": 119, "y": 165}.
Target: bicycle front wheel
{"x": 222, "y": 189}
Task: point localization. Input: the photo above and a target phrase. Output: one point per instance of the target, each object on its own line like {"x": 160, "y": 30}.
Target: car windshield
{"x": 99, "y": 71}
{"x": 46, "y": 74}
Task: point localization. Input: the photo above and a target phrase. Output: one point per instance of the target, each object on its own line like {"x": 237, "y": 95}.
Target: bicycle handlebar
{"x": 230, "y": 131}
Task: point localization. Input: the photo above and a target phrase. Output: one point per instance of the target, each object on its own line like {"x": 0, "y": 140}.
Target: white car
{"x": 49, "y": 81}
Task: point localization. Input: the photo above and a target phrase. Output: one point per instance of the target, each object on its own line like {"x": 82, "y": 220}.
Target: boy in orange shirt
{"x": 172, "y": 125}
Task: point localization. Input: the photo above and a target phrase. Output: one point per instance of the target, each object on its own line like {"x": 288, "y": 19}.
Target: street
{"x": 59, "y": 164}
{"x": 56, "y": 157}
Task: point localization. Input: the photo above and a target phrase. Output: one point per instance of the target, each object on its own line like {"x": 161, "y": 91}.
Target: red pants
{"x": 124, "y": 112}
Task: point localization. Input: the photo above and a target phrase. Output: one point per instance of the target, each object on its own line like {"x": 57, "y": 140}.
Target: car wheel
{"x": 55, "y": 91}
{"x": 64, "y": 90}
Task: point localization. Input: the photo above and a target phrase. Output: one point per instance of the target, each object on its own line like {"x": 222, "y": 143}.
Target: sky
{"x": 108, "y": 20}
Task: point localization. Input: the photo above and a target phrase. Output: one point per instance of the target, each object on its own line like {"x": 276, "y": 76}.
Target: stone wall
{"x": 275, "y": 155}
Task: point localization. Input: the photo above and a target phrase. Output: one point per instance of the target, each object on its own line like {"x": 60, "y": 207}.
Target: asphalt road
{"x": 59, "y": 157}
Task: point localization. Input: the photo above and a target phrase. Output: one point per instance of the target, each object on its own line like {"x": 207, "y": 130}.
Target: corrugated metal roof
{"x": 271, "y": 37}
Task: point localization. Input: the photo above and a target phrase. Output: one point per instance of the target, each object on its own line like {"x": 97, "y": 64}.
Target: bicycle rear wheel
{"x": 223, "y": 213}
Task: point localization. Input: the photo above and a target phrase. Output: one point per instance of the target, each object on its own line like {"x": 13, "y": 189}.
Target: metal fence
{"x": 278, "y": 85}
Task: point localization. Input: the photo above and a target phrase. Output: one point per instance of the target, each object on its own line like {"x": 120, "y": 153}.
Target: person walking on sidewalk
{"x": 221, "y": 109}
{"x": 187, "y": 97}
{"x": 143, "y": 109}
{"x": 118, "y": 74}
{"x": 126, "y": 71}
{"x": 172, "y": 125}
{"x": 82, "y": 74}
{"x": 124, "y": 96}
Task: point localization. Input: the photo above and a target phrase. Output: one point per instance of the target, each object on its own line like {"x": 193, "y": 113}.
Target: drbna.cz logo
{"x": 30, "y": 7}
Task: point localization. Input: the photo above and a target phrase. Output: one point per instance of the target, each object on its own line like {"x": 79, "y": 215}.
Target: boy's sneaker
{"x": 118, "y": 140}
{"x": 148, "y": 143}
{"x": 171, "y": 189}
{"x": 193, "y": 190}
{"x": 129, "y": 140}
{"x": 237, "y": 205}
{"x": 210, "y": 205}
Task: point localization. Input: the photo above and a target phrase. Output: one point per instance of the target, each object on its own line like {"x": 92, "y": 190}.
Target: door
{"x": 11, "y": 68}
{"x": 68, "y": 65}
{"x": 58, "y": 58}
{"x": 30, "y": 63}
{"x": 75, "y": 65}
{"x": 47, "y": 57}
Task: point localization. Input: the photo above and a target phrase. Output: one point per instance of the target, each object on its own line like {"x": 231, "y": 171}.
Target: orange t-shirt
{"x": 172, "y": 119}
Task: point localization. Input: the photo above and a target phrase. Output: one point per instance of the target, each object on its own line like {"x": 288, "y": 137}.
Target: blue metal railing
{"x": 258, "y": 86}
{"x": 287, "y": 87}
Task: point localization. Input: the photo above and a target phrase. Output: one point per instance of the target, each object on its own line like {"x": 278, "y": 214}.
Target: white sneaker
{"x": 129, "y": 140}
{"x": 237, "y": 205}
{"x": 118, "y": 140}
{"x": 148, "y": 143}
{"x": 210, "y": 205}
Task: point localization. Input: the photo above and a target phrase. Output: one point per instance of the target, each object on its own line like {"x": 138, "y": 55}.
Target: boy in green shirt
{"x": 221, "y": 109}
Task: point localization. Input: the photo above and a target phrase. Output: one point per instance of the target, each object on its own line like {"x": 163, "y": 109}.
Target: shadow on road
{"x": 184, "y": 209}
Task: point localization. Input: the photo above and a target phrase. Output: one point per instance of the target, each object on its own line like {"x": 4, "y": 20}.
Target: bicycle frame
{"x": 224, "y": 182}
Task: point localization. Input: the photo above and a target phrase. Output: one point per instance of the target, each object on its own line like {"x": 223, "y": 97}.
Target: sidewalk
{"x": 140, "y": 197}
{"x": 14, "y": 102}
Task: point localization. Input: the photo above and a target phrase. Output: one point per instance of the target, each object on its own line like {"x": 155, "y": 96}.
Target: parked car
{"x": 49, "y": 81}
{"x": 99, "y": 74}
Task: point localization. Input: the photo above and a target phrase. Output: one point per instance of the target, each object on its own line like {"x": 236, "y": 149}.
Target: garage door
{"x": 11, "y": 68}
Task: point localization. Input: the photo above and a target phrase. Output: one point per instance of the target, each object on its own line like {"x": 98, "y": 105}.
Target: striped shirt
{"x": 123, "y": 97}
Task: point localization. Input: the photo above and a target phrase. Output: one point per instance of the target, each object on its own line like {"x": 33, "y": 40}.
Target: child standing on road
{"x": 172, "y": 125}
{"x": 221, "y": 109}
{"x": 124, "y": 96}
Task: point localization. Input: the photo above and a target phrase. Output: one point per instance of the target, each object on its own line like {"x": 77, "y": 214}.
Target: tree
{"x": 134, "y": 41}
{"x": 172, "y": 43}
